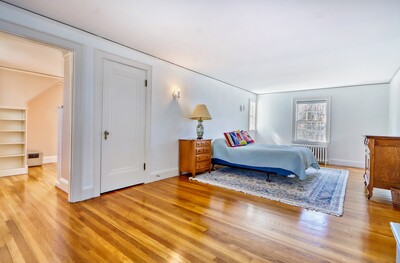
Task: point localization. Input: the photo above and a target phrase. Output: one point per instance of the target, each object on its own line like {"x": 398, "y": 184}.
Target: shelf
{"x": 11, "y": 119}
{"x": 12, "y": 155}
{"x": 12, "y": 141}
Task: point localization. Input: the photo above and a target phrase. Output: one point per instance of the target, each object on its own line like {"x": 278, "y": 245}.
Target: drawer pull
{"x": 199, "y": 150}
{"x": 202, "y": 157}
{"x": 202, "y": 165}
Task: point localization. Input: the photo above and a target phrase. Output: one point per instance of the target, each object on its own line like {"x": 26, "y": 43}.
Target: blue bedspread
{"x": 293, "y": 159}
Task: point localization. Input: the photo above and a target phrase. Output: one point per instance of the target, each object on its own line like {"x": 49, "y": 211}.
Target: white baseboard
{"x": 163, "y": 174}
{"x": 15, "y": 171}
{"x": 63, "y": 185}
{"x": 50, "y": 159}
{"x": 88, "y": 193}
{"x": 347, "y": 163}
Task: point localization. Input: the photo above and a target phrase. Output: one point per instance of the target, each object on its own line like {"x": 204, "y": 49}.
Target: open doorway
{"x": 35, "y": 107}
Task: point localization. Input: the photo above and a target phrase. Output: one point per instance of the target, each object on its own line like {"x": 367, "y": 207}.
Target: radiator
{"x": 320, "y": 151}
{"x": 35, "y": 158}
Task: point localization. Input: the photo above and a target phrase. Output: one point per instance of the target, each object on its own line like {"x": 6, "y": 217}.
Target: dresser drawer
{"x": 206, "y": 143}
{"x": 203, "y": 165}
{"x": 205, "y": 149}
{"x": 199, "y": 150}
{"x": 202, "y": 157}
{"x": 199, "y": 143}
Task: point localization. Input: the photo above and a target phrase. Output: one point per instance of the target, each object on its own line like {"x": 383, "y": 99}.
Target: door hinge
{"x": 145, "y": 83}
{"x": 144, "y": 166}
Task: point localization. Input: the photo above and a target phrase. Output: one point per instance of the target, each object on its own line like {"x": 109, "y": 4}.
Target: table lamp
{"x": 200, "y": 113}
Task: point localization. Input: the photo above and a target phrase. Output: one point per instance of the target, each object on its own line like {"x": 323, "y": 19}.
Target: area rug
{"x": 323, "y": 190}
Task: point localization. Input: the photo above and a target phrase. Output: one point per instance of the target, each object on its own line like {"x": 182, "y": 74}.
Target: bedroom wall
{"x": 355, "y": 111}
{"x": 394, "y": 106}
{"x": 169, "y": 118}
{"x": 17, "y": 87}
{"x": 42, "y": 125}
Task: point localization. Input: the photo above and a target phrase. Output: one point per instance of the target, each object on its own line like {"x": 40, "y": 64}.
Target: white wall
{"x": 355, "y": 111}
{"x": 17, "y": 87}
{"x": 42, "y": 129}
{"x": 394, "y": 106}
{"x": 169, "y": 119}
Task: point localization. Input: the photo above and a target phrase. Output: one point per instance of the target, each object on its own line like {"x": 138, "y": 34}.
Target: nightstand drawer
{"x": 202, "y": 157}
{"x": 199, "y": 150}
{"x": 203, "y": 166}
{"x": 206, "y": 143}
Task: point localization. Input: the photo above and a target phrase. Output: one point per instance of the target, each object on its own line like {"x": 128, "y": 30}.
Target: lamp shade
{"x": 200, "y": 113}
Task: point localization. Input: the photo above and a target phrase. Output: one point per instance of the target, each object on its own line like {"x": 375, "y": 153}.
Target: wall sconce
{"x": 176, "y": 94}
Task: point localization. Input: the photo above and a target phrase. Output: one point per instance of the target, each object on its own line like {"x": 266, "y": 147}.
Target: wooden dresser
{"x": 382, "y": 162}
{"x": 194, "y": 156}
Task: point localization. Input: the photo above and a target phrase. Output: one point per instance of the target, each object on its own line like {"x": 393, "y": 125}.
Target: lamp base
{"x": 200, "y": 130}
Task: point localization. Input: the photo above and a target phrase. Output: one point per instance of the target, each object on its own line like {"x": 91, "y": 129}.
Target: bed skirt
{"x": 277, "y": 171}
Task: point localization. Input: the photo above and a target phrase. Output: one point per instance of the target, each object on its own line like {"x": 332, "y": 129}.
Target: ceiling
{"x": 24, "y": 55}
{"x": 262, "y": 45}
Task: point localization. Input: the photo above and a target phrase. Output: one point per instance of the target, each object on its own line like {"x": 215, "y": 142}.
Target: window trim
{"x": 328, "y": 119}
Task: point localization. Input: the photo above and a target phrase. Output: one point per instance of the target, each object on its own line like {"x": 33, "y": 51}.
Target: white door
{"x": 123, "y": 143}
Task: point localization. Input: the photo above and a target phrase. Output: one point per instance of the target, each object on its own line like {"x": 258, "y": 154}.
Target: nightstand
{"x": 194, "y": 156}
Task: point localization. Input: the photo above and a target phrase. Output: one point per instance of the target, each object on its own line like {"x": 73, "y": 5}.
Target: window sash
{"x": 311, "y": 120}
{"x": 252, "y": 115}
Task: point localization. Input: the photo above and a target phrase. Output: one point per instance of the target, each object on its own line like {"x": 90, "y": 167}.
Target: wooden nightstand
{"x": 194, "y": 156}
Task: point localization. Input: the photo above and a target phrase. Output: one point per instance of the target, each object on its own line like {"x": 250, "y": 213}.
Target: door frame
{"x": 77, "y": 100}
{"x": 100, "y": 56}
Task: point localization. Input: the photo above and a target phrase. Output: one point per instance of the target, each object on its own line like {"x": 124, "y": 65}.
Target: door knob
{"x": 106, "y": 133}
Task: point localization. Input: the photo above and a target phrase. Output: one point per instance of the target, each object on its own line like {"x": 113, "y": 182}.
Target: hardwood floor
{"x": 177, "y": 220}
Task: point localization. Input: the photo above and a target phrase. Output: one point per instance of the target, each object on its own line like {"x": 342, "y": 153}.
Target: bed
{"x": 277, "y": 159}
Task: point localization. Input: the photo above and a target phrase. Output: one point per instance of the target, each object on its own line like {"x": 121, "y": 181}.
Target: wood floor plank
{"x": 178, "y": 220}
{"x": 5, "y": 255}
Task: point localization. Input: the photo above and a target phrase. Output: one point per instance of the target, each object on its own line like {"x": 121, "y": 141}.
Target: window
{"x": 252, "y": 115}
{"x": 311, "y": 120}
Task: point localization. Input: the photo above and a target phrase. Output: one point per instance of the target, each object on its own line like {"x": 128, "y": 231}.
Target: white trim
{"x": 163, "y": 174}
{"x": 31, "y": 72}
{"x": 346, "y": 163}
{"x": 12, "y": 108}
{"x": 49, "y": 159}
{"x": 63, "y": 185}
{"x": 323, "y": 88}
{"x": 99, "y": 56}
{"x": 78, "y": 100}
{"x": 252, "y": 101}
{"x": 16, "y": 171}
{"x": 87, "y": 193}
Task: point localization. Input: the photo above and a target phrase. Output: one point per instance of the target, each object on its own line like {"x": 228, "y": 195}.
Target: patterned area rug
{"x": 322, "y": 191}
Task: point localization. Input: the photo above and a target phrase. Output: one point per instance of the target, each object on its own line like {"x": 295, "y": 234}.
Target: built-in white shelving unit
{"x": 12, "y": 141}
